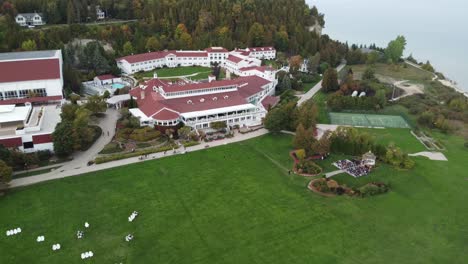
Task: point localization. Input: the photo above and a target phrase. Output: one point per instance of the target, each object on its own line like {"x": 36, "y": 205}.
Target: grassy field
{"x": 320, "y": 98}
{"x": 179, "y": 71}
{"x": 396, "y": 72}
{"x": 237, "y": 204}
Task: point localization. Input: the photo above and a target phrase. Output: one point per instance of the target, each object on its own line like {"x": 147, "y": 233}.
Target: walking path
{"x": 333, "y": 173}
{"x": 430, "y": 155}
{"x": 79, "y": 166}
{"x": 305, "y": 97}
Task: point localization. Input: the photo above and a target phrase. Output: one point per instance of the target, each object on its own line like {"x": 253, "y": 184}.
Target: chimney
{"x": 142, "y": 94}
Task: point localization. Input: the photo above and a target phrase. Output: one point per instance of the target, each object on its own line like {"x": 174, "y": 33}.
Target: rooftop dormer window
{"x": 215, "y": 98}
{"x": 202, "y": 100}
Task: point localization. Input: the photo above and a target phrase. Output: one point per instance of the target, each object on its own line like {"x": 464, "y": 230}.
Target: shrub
{"x": 308, "y": 167}
{"x": 300, "y": 154}
{"x": 100, "y": 160}
{"x": 144, "y": 134}
{"x": 111, "y": 148}
{"x": 373, "y": 188}
{"x": 191, "y": 143}
{"x": 43, "y": 155}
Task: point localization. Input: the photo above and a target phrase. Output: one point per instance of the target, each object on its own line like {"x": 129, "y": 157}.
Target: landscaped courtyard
{"x": 195, "y": 73}
{"x": 238, "y": 204}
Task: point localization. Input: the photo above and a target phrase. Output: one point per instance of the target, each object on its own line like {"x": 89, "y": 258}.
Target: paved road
{"x": 80, "y": 159}
{"x": 316, "y": 88}
{"x": 79, "y": 167}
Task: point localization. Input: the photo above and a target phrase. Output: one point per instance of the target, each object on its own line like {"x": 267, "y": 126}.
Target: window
{"x": 28, "y": 145}
{"x": 10, "y": 94}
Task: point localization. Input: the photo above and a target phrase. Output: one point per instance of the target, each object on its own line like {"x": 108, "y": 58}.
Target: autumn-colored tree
{"x": 295, "y": 62}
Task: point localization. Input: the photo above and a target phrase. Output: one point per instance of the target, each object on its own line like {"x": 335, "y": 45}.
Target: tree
{"x": 295, "y": 62}
{"x": 373, "y": 57}
{"x": 395, "y": 48}
{"x": 63, "y": 145}
{"x": 184, "y": 132}
{"x": 313, "y": 63}
{"x": 330, "y": 80}
{"x": 29, "y": 45}
{"x": 428, "y": 67}
{"x": 304, "y": 138}
{"x": 106, "y": 94}
{"x": 274, "y": 120}
{"x": 128, "y": 48}
{"x": 322, "y": 146}
{"x": 286, "y": 83}
{"x": 96, "y": 104}
{"x": 282, "y": 40}
{"x": 369, "y": 74}
{"x": 152, "y": 44}
{"x": 5, "y": 172}
{"x": 307, "y": 115}
{"x": 256, "y": 35}
{"x": 71, "y": 12}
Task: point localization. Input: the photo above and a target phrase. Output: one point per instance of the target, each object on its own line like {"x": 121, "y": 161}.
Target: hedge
{"x": 100, "y": 160}
{"x": 191, "y": 143}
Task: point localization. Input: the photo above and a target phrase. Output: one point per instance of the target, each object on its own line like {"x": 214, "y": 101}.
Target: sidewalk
{"x": 305, "y": 97}
{"x": 80, "y": 170}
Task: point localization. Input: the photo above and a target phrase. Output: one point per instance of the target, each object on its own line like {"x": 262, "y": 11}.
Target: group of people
{"x": 355, "y": 167}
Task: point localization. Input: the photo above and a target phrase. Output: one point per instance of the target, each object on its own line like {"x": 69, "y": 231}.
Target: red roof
{"x": 250, "y": 85}
{"x": 41, "y": 139}
{"x": 146, "y": 56}
{"x": 165, "y": 114}
{"x": 11, "y": 142}
{"x": 29, "y": 70}
{"x": 258, "y": 68}
{"x": 270, "y": 101}
{"x": 167, "y": 109}
{"x": 106, "y": 77}
{"x": 191, "y": 54}
{"x": 262, "y": 48}
{"x": 31, "y": 100}
{"x": 216, "y": 50}
{"x": 234, "y": 59}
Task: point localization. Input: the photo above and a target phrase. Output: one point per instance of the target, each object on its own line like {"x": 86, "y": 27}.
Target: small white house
{"x": 106, "y": 79}
{"x": 30, "y": 19}
{"x": 100, "y": 14}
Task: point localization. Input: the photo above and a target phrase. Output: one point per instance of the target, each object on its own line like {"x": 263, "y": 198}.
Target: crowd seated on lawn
{"x": 355, "y": 168}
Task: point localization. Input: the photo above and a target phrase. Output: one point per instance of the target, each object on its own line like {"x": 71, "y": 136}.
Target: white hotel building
{"x": 242, "y": 101}
{"x": 159, "y": 59}
{"x": 30, "y": 91}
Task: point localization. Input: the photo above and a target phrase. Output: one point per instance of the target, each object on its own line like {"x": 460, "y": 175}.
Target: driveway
{"x": 81, "y": 158}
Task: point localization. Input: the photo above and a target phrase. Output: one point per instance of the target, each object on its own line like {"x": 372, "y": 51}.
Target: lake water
{"x": 435, "y": 30}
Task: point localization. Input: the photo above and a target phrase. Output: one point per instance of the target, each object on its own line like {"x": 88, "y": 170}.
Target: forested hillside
{"x": 169, "y": 24}
{"x": 175, "y": 23}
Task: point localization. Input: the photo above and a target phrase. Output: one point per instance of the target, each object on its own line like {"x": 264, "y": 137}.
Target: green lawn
{"x": 179, "y": 71}
{"x": 237, "y": 204}
{"x": 396, "y": 72}
{"x": 320, "y": 98}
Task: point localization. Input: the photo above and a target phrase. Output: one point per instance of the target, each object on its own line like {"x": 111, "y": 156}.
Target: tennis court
{"x": 365, "y": 120}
